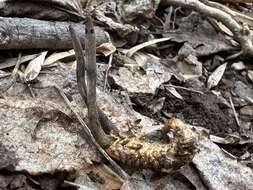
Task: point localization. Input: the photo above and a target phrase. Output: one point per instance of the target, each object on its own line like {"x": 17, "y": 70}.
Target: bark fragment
{"x": 24, "y": 33}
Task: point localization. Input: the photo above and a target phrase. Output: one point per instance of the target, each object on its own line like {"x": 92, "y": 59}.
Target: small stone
{"x": 247, "y": 112}
{"x": 238, "y": 66}
{"x": 243, "y": 91}
{"x": 244, "y": 73}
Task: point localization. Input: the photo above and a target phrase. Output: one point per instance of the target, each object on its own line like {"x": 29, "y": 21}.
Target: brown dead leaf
{"x": 106, "y": 48}
{"x": 58, "y": 57}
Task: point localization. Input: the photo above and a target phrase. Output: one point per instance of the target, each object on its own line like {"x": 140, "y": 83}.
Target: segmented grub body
{"x": 143, "y": 151}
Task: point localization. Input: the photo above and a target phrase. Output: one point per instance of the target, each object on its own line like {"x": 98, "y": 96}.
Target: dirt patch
{"x": 204, "y": 110}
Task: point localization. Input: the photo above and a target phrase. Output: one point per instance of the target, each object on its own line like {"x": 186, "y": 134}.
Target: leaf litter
{"x": 41, "y": 140}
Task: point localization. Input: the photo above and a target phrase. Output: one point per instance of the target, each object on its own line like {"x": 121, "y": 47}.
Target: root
{"x": 241, "y": 33}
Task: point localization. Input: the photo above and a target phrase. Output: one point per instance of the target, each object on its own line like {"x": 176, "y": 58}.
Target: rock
{"x": 247, "y": 113}
{"x": 238, "y": 66}
{"x": 219, "y": 171}
{"x": 243, "y": 91}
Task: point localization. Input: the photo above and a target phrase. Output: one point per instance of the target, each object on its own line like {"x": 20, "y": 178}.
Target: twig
{"x": 91, "y": 68}
{"x": 15, "y": 70}
{"x": 30, "y": 90}
{"x": 235, "y": 114}
{"x": 81, "y": 82}
{"x": 167, "y": 24}
{"x": 80, "y": 68}
{"x": 89, "y": 94}
{"x": 75, "y": 184}
{"x": 107, "y": 70}
{"x": 239, "y": 17}
{"x": 188, "y": 89}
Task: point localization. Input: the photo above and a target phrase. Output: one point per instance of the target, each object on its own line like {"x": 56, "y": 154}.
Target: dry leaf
{"x": 106, "y": 48}
{"x": 13, "y": 61}
{"x": 216, "y": 76}
{"x": 174, "y": 92}
{"x": 134, "y": 49}
{"x": 106, "y": 178}
{"x": 58, "y": 56}
{"x": 34, "y": 67}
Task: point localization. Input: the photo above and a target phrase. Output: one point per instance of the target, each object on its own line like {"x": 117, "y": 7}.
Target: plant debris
{"x": 156, "y": 95}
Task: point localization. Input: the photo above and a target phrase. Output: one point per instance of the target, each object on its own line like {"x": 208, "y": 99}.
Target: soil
{"x": 203, "y": 110}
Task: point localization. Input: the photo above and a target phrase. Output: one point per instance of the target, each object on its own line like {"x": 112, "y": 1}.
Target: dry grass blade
{"x": 234, "y": 112}
{"x": 175, "y": 93}
{"x": 187, "y": 89}
{"x": 58, "y": 56}
{"x": 134, "y": 49}
{"x": 74, "y": 184}
{"x": 107, "y": 70}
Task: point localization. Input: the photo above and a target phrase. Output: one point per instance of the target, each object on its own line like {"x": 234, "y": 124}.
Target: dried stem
{"x": 90, "y": 58}
{"x": 91, "y": 138}
{"x": 88, "y": 95}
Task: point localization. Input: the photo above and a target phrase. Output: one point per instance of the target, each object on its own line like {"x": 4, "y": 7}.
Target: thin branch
{"x": 183, "y": 88}
{"x": 15, "y": 70}
{"x": 89, "y": 95}
{"x": 107, "y": 70}
{"x": 81, "y": 81}
{"x": 234, "y": 112}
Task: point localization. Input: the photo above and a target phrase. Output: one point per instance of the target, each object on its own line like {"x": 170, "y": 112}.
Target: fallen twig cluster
{"x": 241, "y": 33}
